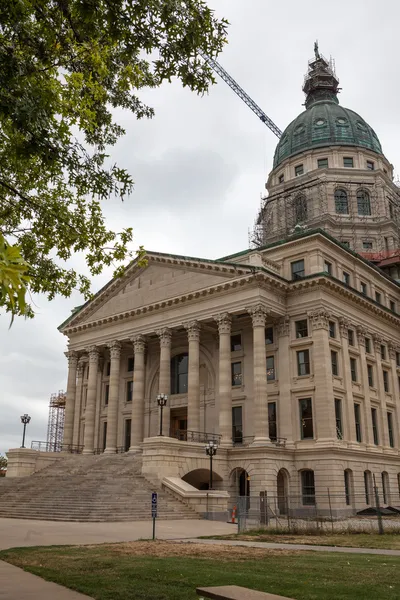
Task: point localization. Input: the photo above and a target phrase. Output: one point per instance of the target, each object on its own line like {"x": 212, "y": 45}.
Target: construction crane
{"x": 242, "y": 94}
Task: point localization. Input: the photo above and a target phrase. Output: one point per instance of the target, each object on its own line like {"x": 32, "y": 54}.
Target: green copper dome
{"x": 324, "y": 122}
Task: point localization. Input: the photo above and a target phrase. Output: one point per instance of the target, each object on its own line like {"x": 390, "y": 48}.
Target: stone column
{"x": 137, "y": 426}
{"x": 93, "y": 352}
{"x": 324, "y": 405}
{"x": 348, "y": 418}
{"x": 285, "y": 424}
{"x": 224, "y": 321}
{"x": 395, "y": 392}
{"x": 367, "y": 434}
{"x": 383, "y": 433}
{"x": 261, "y": 432}
{"x": 70, "y": 398}
{"x": 193, "y": 329}
{"x": 78, "y": 402}
{"x": 164, "y": 380}
{"x": 113, "y": 397}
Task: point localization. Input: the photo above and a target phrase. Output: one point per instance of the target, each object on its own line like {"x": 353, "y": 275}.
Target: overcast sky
{"x": 201, "y": 163}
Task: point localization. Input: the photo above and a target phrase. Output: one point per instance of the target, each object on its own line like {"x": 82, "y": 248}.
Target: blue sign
{"x": 153, "y": 505}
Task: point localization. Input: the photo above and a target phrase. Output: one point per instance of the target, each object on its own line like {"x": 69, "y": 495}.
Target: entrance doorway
{"x": 178, "y": 428}
{"x": 128, "y": 424}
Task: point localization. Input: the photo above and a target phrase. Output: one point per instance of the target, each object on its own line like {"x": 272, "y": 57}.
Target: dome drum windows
{"x": 363, "y": 203}
{"x": 300, "y": 209}
{"x": 341, "y": 202}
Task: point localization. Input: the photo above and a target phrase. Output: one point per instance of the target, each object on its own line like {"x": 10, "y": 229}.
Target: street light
{"x": 211, "y": 450}
{"x": 25, "y": 420}
{"x": 161, "y": 401}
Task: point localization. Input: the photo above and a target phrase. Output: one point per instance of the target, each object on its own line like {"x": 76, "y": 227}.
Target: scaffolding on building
{"x": 55, "y": 425}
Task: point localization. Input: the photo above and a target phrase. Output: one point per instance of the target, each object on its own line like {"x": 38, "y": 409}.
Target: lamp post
{"x": 161, "y": 401}
{"x": 211, "y": 450}
{"x": 24, "y": 420}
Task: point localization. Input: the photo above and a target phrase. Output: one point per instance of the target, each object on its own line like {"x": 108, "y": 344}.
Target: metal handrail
{"x": 200, "y": 437}
{"x": 59, "y": 447}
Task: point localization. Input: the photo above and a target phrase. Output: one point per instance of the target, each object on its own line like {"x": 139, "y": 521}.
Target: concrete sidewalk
{"x": 18, "y": 585}
{"x": 307, "y": 547}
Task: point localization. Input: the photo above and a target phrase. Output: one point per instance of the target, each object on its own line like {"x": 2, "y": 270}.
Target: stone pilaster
{"x": 139, "y": 347}
{"x": 259, "y": 314}
{"x": 285, "y": 424}
{"x": 393, "y": 349}
{"x": 193, "y": 331}
{"x": 383, "y": 432}
{"x": 113, "y": 397}
{"x": 324, "y": 405}
{"x": 164, "y": 383}
{"x": 348, "y": 418}
{"x": 93, "y": 352}
{"x": 70, "y": 397}
{"x": 78, "y": 402}
{"x": 367, "y": 434}
{"x": 224, "y": 321}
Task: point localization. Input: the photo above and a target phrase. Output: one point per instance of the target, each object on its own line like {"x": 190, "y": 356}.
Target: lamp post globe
{"x": 25, "y": 419}
{"x": 161, "y": 401}
{"x": 211, "y": 450}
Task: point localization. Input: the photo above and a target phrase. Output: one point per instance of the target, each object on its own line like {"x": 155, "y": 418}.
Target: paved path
{"x": 308, "y": 547}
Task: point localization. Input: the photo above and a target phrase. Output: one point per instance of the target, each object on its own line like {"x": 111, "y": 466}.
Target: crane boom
{"x": 242, "y": 94}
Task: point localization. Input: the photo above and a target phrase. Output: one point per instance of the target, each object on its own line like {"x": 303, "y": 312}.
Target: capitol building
{"x": 286, "y": 355}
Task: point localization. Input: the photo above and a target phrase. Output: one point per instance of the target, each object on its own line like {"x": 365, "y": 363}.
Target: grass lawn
{"x": 172, "y": 571}
{"x": 389, "y": 541}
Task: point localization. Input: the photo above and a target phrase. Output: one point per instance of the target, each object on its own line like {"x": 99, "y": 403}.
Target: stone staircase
{"x": 88, "y": 488}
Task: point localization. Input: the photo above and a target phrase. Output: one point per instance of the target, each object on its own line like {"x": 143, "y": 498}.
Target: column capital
{"x": 344, "y": 325}
{"x": 378, "y": 341}
{"x": 115, "y": 349}
{"x": 93, "y": 353}
{"x": 193, "y": 330}
{"x": 72, "y": 358}
{"x": 362, "y": 333}
{"x": 224, "y": 321}
{"x": 139, "y": 344}
{"x": 319, "y": 318}
{"x": 283, "y": 326}
{"x": 165, "y": 336}
{"x": 258, "y": 315}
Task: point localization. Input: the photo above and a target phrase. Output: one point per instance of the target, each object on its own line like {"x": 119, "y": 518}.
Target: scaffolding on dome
{"x": 55, "y": 425}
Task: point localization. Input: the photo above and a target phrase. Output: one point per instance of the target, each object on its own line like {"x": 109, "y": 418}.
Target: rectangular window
{"x": 366, "y": 486}
{"x": 269, "y": 335}
{"x": 129, "y": 390}
{"x": 106, "y": 394}
{"x": 370, "y": 165}
{"x": 328, "y": 267}
{"x": 347, "y": 491}
{"x": 237, "y": 425}
{"x": 236, "y": 342}
{"x": 348, "y": 162}
{"x": 306, "y": 419}
{"x": 332, "y": 329}
{"x": 351, "y": 337}
{"x": 385, "y": 380}
{"x": 298, "y": 170}
{"x": 272, "y": 421}
{"x": 104, "y": 435}
{"x": 357, "y": 418}
{"x": 270, "y": 368}
{"x": 108, "y": 368}
{"x": 391, "y": 211}
{"x": 297, "y": 269}
{"x": 392, "y": 306}
{"x": 368, "y": 345}
{"x": 338, "y": 416}
{"x": 374, "y": 417}
{"x": 353, "y": 369}
{"x": 308, "y": 488}
{"x": 303, "y": 362}
{"x": 334, "y": 361}
{"x": 370, "y": 371}
{"x": 378, "y": 297}
{"x": 383, "y": 352}
{"x": 322, "y": 163}
{"x": 363, "y": 288}
{"x": 346, "y": 278}
{"x": 397, "y": 359}
{"x": 301, "y": 328}
{"x": 236, "y": 372}
{"x": 367, "y": 245}
{"x": 390, "y": 429}
{"x": 130, "y": 364}
{"x": 281, "y": 178}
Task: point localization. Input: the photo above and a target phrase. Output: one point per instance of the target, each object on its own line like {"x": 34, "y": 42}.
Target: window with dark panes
{"x": 367, "y": 486}
{"x": 281, "y": 178}
{"x": 106, "y": 394}
{"x": 363, "y": 203}
{"x": 370, "y": 165}
{"x": 306, "y": 419}
{"x": 270, "y": 368}
{"x": 179, "y": 373}
{"x": 334, "y": 362}
{"x": 341, "y": 203}
{"x": 308, "y": 488}
{"x": 236, "y": 342}
{"x": 298, "y": 269}
{"x": 303, "y": 362}
{"x": 301, "y": 328}
{"x": 383, "y": 351}
{"x": 108, "y": 368}
{"x": 368, "y": 345}
{"x": 370, "y": 371}
{"x": 300, "y": 209}
{"x": 236, "y": 370}
{"x": 378, "y": 297}
{"x": 353, "y": 369}
{"x": 272, "y": 423}
{"x": 397, "y": 359}
{"x": 348, "y": 162}
{"x": 332, "y": 329}
{"x": 269, "y": 335}
{"x": 299, "y": 170}
{"x": 357, "y": 418}
{"x": 338, "y": 416}
{"x": 363, "y": 288}
{"x": 374, "y": 417}
{"x": 346, "y": 278}
{"x": 350, "y": 336}
{"x": 328, "y": 267}
{"x": 322, "y": 163}
{"x": 237, "y": 425}
{"x": 130, "y": 364}
{"x": 392, "y": 306}
{"x": 129, "y": 390}
{"x": 347, "y": 487}
{"x": 385, "y": 380}
{"x": 390, "y": 429}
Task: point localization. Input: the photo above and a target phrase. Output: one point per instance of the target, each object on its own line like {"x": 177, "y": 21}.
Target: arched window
{"x": 368, "y": 487}
{"x": 300, "y": 209}
{"x": 341, "y": 202}
{"x": 308, "y": 487}
{"x": 179, "y": 374}
{"x": 363, "y": 203}
{"x": 385, "y": 487}
{"x": 348, "y": 485}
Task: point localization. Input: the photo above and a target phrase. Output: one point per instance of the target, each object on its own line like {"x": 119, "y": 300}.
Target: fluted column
{"x": 349, "y": 425}
{"x": 113, "y": 397}
{"x": 367, "y": 434}
{"x": 261, "y": 432}
{"x": 78, "y": 402}
{"x": 164, "y": 381}
{"x": 285, "y": 425}
{"x": 224, "y": 321}
{"x": 70, "y": 397}
{"x": 193, "y": 330}
{"x": 137, "y": 427}
{"x": 93, "y": 352}
{"x": 383, "y": 432}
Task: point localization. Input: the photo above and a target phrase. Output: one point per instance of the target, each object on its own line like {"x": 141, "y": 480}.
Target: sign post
{"x": 154, "y": 512}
